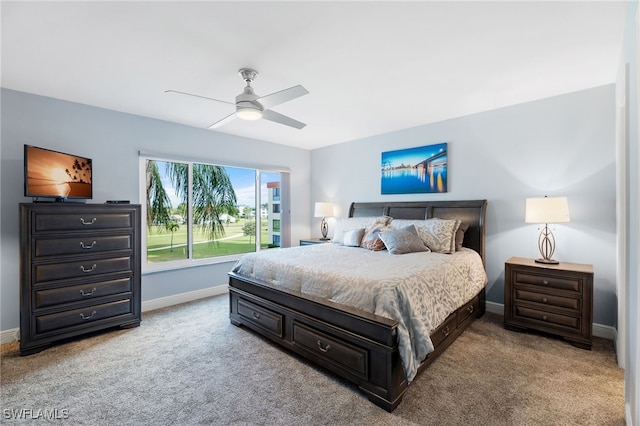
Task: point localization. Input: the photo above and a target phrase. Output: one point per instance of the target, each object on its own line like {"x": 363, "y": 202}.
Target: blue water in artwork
{"x": 414, "y": 180}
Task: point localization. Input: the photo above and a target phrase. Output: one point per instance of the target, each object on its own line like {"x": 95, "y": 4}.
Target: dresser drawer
{"x": 65, "y": 270}
{"x": 262, "y": 317}
{"x": 75, "y": 293}
{"x": 81, "y": 245}
{"x": 548, "y": 317}
{"x": 81, "y": 221}
{"x": 549, "y": 281}
{"x": 91, "y": 314}
{"x": 548, "y": 299}
{"x": 337, "y": 352}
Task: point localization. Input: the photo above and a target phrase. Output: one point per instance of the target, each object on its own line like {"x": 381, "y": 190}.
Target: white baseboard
{"x": 176, "y": 299}
{"x": 599, "y": 330}
{"x": 8, "y": 336}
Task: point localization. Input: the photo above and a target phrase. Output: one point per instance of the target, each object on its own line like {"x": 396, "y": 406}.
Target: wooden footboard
{"x": 356, "y": 345}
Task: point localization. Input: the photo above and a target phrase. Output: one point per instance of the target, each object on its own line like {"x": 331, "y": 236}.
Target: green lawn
{"x": 160, "y": 248}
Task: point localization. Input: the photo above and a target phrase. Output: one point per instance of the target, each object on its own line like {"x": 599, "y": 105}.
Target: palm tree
{"x": 212, "y": 195}
{"x": 172, "y": 226}
{"x": 158, "y": 202}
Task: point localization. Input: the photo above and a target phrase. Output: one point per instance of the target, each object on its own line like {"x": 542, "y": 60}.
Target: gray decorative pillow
{"x": 402, "y": 241}
{"x": 345, "y": 224}
{"x": 353, "y": 238}
{"x": 460, "y": 235}
{"x": 438, "y": 234}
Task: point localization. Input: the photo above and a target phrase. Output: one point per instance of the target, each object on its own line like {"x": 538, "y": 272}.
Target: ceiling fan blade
{"x": 270, "y": 115}
{"x": 223, "y": 121}
{"x": 282, "y": 96}
{"x": 198, "y": 96}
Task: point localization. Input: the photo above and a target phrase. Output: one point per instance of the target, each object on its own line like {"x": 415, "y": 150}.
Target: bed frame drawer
{"x": 339, "y": 353}
{"x": 444, "y": 330}
{"x": 261, "y": 317}
{"x": 467, "y": 310}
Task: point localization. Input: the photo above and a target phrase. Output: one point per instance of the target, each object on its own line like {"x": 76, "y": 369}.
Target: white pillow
{"x": 344, "y": 224}
{"x": 353, "y": 238}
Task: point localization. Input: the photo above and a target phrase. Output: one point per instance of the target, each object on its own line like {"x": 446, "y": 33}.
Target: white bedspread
{"x": 419, "y": 290}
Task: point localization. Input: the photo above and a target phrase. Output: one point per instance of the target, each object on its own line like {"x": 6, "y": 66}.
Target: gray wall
{"x": 112, "y": 140}
{"x": 563, "y": 145}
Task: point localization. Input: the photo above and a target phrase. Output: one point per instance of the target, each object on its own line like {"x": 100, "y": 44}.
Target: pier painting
{"x": 415, "y": 170}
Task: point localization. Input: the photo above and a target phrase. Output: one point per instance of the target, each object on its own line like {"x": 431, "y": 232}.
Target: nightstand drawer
{"x": 547, "y": 299}
{"x": 548, "y": 317}
{"x": 550, "y": 281}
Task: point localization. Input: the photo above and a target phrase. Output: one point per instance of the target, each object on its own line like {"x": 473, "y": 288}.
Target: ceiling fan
{"x": 250, "y": 106}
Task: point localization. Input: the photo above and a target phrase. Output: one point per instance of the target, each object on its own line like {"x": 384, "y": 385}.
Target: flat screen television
{"x": 53, "y": 174}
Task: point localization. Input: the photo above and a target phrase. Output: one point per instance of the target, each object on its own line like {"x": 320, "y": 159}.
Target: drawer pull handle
{"x": 88, "y": 223}
{"x": 85, "y": 270}
{"x": 544, "y": 317}
{"x": 445, "y": 331}
{"x": 87, "y": 247}
{"x": 255, "y": 315}
{"x": 545, "y": 282}
{"x": 325, "y": 348}
{"x": 545, "y": 300}
{"x": 93, "y": 290}
{"x": 470, "y": 309}
{"x": 87, "y": 317}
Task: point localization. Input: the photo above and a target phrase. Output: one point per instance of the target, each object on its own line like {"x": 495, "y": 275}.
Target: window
{"x": 197, "y": 212}
{"x": 276, "y": 225}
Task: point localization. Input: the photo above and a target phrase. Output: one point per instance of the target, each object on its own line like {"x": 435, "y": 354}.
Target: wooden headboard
{"x": 470, "y": 212}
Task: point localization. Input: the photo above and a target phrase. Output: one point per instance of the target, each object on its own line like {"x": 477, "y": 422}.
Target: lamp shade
{"x": 323, "y": 209}
{"x": 547, "y": 210}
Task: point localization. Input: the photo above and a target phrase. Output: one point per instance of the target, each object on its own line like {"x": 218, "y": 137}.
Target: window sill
{"x": 152, "y": 268}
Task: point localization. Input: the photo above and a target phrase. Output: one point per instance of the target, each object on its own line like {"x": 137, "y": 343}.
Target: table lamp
{"x": 547, "y": 210}
{"x": 323, "y": 210}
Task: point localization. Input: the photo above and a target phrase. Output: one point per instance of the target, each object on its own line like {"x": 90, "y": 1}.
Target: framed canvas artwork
{"x": 415, "y": 170}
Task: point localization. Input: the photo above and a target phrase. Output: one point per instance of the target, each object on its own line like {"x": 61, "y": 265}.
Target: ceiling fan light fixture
{"x": 249, "y": 113}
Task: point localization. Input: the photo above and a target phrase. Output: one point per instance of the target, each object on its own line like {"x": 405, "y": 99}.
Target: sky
{"x": 243, "y": 181}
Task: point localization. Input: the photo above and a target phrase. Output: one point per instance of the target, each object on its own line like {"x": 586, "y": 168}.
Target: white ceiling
{"x": 371, "y": 67}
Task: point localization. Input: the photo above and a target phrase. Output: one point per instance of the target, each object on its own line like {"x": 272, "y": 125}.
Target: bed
{"x": 361, "y": 338}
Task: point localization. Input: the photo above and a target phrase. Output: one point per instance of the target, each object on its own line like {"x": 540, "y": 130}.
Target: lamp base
{"x": 324, "y": 239}
{"x": 548, "y": 261}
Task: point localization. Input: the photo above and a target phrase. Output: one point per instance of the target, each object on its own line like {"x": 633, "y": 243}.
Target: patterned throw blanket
{"x": 419, "y": 290}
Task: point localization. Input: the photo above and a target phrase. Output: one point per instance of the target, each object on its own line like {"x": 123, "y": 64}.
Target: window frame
{"x": 190, "y": 261}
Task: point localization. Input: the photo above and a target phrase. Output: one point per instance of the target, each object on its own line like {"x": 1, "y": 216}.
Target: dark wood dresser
{"x": 79, "y": 272}
{"x": 556, "y": 299}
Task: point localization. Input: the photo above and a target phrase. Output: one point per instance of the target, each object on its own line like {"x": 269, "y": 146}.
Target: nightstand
{"x": 311, "y": 241}
{"x": 556, "y": 299}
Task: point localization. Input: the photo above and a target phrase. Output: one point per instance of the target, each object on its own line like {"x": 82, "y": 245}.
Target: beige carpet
{"x": 188, "y": 365}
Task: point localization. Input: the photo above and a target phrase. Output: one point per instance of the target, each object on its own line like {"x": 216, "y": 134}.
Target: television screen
{"x": 55, "y": 174}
